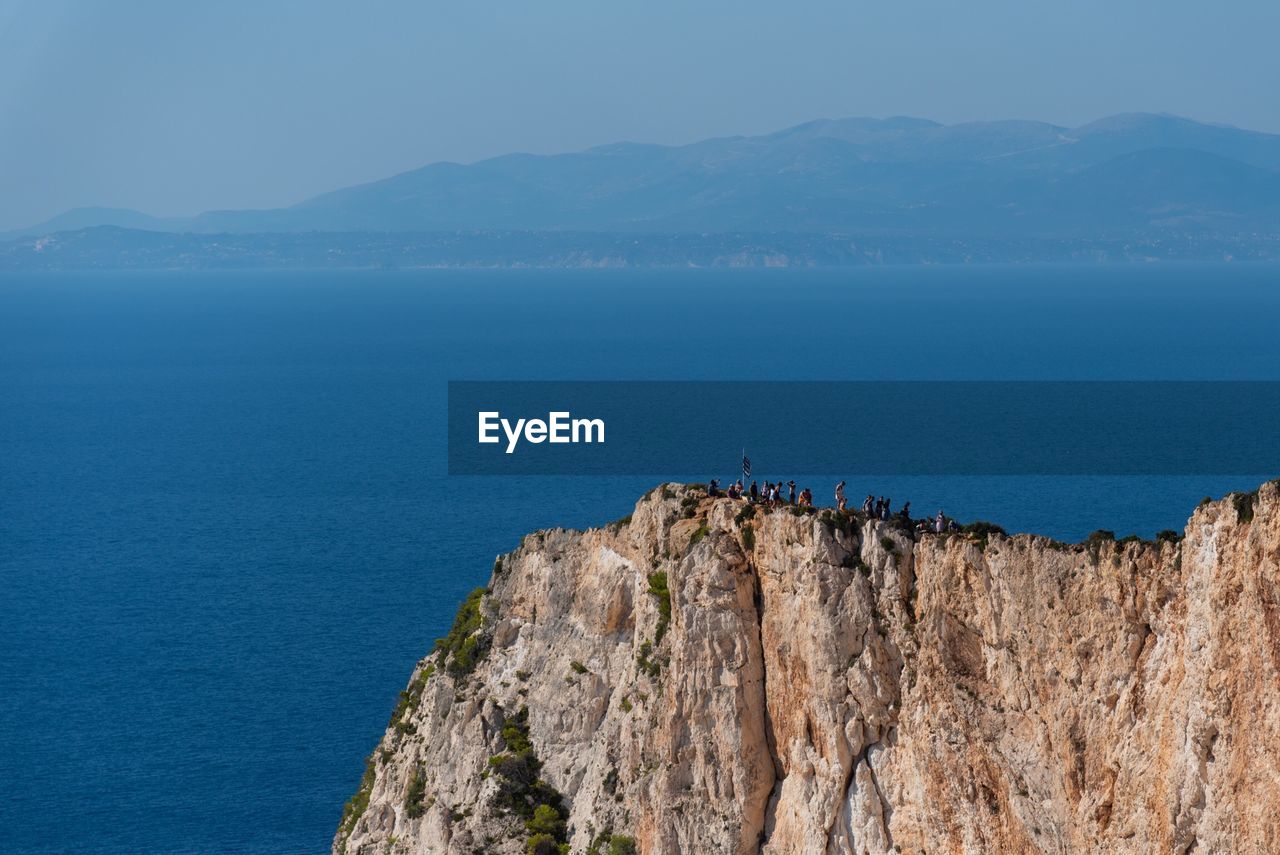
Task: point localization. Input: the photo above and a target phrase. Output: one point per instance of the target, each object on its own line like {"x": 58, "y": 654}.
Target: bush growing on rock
{"x": 608, "y": 843}
{"x": 543, "y": 844}
{"x": 523, "y": 792}
{"x": 415, "y": 796}
{"x": 359, "y": 802}
{"x": 466, "y": 644}
{"x": 983, "y": 529}
{"x": 546, "y": 821}
{"x": 622, "y": 845}
{"x": 658, "y": 588}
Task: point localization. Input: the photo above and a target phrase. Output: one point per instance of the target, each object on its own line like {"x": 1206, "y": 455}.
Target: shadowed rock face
{"x": 826, "y": 685}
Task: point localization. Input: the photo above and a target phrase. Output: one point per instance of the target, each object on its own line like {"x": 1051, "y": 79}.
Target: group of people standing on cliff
{"x": 774, "y": 494}
{"x": 770, "y": 494}
{"x": 881, "y": 508}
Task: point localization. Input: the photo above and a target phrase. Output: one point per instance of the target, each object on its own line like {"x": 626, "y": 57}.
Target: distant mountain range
{"x": 1142, "y": 177}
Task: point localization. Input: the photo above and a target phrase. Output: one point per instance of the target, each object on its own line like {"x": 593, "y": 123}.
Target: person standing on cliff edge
{"x": 840, "y": 499}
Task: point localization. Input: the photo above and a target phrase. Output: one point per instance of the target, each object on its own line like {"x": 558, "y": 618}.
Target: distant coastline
{"x": 113, "y": 248}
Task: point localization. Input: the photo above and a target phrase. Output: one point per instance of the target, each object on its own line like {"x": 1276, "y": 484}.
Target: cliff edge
{"x": 705, "y": 677}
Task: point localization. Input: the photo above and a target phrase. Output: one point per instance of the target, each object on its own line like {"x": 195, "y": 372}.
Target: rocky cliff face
{"x": 697, "y": 679}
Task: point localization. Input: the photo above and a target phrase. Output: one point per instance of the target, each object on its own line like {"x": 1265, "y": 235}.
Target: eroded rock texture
{"x": 828, "y": 684}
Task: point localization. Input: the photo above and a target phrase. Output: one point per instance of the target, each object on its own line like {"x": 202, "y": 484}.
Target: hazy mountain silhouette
{"x": 896, "y": 176}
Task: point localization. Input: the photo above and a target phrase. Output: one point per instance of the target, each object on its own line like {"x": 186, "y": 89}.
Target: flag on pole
{"x": 746, "y": 466}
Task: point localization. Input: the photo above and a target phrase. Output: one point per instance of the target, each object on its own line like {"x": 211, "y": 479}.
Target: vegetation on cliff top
{"x": 356, "y": 805}
{"x": 466, "y": 644}
{"x": 410, "y": 698}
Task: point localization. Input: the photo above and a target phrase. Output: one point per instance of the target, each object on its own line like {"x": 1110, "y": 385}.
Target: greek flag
{"x": 746, "y": 467}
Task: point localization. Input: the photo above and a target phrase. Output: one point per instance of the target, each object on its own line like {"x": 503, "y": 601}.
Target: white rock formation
{"x": 827, "y": 684}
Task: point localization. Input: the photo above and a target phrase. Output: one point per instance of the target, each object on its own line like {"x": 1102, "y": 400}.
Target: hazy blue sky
{"x": 176, "y": 107}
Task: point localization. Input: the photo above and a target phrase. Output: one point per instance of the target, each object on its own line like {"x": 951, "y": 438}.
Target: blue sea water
{"x": 226, "y": 532}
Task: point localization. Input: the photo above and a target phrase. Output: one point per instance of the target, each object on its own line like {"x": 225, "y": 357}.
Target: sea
{"x": 227, "y": 530}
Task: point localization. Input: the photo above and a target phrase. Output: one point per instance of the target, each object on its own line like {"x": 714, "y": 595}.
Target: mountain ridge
{"x": 899, "y": 175}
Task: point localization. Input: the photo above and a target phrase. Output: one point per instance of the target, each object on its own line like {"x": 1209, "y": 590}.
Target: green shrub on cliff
{"x": 544, "y": 844}
{"x": 546, "y": 820}
{"x": 983, "y": 530}
{"x": 658, "y": 588}
{"x": 466, "y": 644}
{"x": 415, "y": 796}
{"x": 521, "y": 790}
{"x": 608, "y": 843}
{"x": 651, "y": 666}
{"x": 689, "y": 507}
{"x": 834, "y": 520}
{"x": 621, "y": 845}
{"x": 411, "y": 697}
{"x": 356, "y": 805}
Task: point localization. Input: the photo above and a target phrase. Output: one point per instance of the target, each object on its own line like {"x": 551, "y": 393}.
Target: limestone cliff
{"x": 702, "y": 679}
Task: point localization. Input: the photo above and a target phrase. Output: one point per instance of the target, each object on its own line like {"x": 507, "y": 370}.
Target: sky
{"x": 178, "y": 107}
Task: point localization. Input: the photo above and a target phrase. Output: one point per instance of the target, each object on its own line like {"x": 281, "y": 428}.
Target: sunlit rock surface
{"x": 829, "y": 684}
